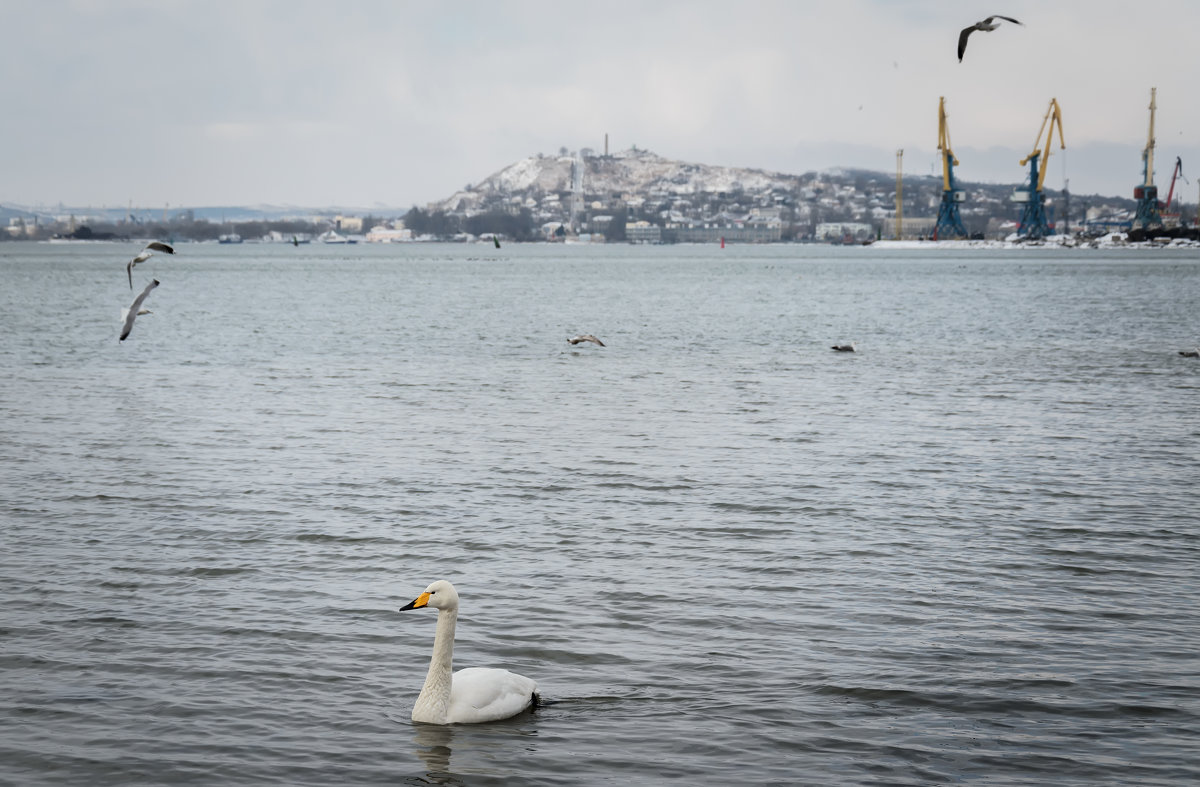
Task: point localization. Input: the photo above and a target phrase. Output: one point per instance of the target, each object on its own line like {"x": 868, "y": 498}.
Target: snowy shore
{"x": 1116, "y": 240}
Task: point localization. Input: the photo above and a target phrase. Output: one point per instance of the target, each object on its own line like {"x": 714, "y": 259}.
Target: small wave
{"x": 120, "y": 585}
{"x": 217, "y": 571}
{"x": 106, "y": 620}
{"x": 976, "y": 704}
{"x": 327, "y": 538}
{"x": 643, "y": 486}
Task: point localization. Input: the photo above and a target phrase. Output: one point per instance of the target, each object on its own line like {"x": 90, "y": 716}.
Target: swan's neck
{"x": 434, "y": 701}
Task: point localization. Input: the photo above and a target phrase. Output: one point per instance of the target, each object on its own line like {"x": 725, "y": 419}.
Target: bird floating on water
{"x": 1190, "y": 353}
{"x": 585, "y": 337}
{"x": 844, "y": 348}
{"x": 474, "y": 694}
{"x": 135, "y": 309}
{"x": 146, "y": 254}
{"x": 987, "y": 25}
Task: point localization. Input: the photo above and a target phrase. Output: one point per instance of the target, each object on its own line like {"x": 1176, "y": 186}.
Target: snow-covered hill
{"x": 628, "y": 172}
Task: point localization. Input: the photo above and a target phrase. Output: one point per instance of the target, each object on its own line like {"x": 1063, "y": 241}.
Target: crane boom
{"x": 1178, "y": 173}
{"x": 948, "y": 157}
{"x": 1053, "y": 117}
{"x": 1148, "y": 153}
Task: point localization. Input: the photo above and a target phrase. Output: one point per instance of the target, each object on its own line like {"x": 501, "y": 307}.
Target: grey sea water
{"x": 966, "y": 553}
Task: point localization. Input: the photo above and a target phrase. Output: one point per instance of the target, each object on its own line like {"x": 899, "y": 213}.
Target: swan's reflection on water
{"x": 498, "y": 749}
{"x": 433, "y": 747}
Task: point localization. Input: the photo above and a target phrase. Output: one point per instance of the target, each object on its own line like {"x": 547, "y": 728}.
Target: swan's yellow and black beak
{"x": 417, "y": 603}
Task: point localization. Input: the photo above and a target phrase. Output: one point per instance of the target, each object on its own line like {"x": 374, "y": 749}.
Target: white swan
{"x": 470, "y": 695}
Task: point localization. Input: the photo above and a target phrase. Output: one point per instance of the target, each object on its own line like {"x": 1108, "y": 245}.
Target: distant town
{"x": 630, "y": 197}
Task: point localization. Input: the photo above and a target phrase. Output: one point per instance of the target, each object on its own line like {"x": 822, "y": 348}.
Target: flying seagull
{"x": 144, "y": 255}
{"x": 587, "y": 337}
{"x": 844, "y": 348}
{"x": 135, "y": 309}
{"x": 986, "y": 25}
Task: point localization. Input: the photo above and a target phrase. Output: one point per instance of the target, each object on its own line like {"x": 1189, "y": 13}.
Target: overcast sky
{"x": 377, "y": 103}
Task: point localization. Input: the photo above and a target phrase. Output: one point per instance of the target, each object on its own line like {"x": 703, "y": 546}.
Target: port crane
{"x": 1178, "y": 173}
{"x": 1034, "y": 224}
{"x": 1146, "y": 215}
{"x": 949, "y": 222}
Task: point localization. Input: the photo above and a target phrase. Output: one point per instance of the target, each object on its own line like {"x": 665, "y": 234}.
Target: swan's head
{"x": 439, "y": 595}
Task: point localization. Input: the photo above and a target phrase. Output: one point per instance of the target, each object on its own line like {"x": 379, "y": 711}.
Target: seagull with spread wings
{"x": 987, "y": 25}
{"x": 136, "y": 309}
{"x": 146, "y": 254}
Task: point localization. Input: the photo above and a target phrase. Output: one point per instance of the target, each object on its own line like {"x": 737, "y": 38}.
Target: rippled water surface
{"x": 967, "y": 553}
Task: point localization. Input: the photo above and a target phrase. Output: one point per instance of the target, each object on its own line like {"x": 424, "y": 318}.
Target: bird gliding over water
{"x": 146, "y": 254}
{"x": 134, "y": 310}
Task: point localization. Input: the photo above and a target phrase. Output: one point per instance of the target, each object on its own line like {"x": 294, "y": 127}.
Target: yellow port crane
{"x": 1034, "y": 224}
{"x": 1146, "y": 193}
{"x": 949, "y": 222}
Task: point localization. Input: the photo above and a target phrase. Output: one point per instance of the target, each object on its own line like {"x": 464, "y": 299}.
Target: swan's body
{"x": 586, "y": 337}
{"x": 470, "y": 695}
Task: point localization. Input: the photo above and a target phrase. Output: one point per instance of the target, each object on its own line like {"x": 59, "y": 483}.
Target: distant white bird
{"x": 144, "y": 255}
{"x": 585, "y": 337}
{"x": 134, "y": 310}
{"x": 1190, "y": 353}
{"x": 986, "y": 25}
{"x": 844, "y": 348}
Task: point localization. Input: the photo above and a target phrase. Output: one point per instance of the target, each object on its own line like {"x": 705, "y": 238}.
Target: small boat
{"x": 232, "y": 237}
{"x": 334, "y": 237}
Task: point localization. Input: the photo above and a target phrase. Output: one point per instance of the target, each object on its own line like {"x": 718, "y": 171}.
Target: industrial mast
{"x": 576, "y": 207}
{"x": 1146, "y": 194}
{"x": 1167, "y": 216}
{"x": 1034, "y": 223}
{"x": 949, "y": 223}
